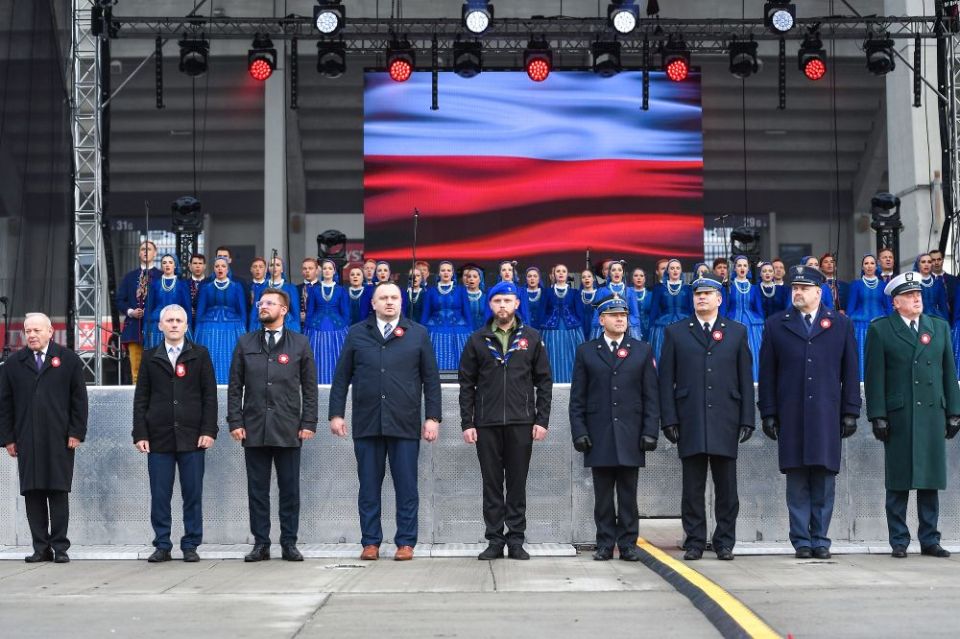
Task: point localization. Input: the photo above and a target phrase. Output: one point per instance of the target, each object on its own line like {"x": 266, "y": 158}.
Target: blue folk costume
{"x": 743, "y": 305}
{"x": 328, "y": 316}
{"x": 955, "y": 336}
{"x": 358, "y": 300}
{"x": 221, "y": 320}
{"x": 256, "y": 290}
{"x": 477, "y": 306}
{"x": 132, "y": 293}
{"x": 562, "y": 329}
{"x": 292, "y": 319}
{"x": 866, "y": 302}
{"x": 163, "y": 292}
{"x": 772, "y": 297}
{"x": 934, "y": 293}
{"x": 639, "y": 303}
{"x": 445, "y": 314}
{"x": 536, "y": 304}
{"x": 586, "y": 309}
{"x": 523, "y": 312}
{"x": 672, "y": 302}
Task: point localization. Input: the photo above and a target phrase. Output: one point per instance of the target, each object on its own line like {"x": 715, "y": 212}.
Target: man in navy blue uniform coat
{"x": 389, "y": 360}
{"x": 706, "y": 406}
{"x": 614, "y": 419}
{"x": 809, "y": 398}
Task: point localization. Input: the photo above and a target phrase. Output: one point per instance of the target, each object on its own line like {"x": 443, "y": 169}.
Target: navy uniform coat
{"x": 127, "y": 298}
{"x": 706, "y": 386}
{"x": 40, "y": 411}
{"x": 615, "y": 401}
{"x": 389, "y": 378}
{"x": 808, "y": 381}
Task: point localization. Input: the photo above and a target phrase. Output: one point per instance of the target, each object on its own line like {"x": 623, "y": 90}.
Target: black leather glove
{"x": 953, "y": 426}
{"x": 672, "y": 433}
{"x": 881, "y": 429}
{"x": 848, "y": 426}
{"x": 746, "y": 432}
{"x": 648, "y": 443}
{"x": 771, "y": 427}
{"x": 582, "y": 444}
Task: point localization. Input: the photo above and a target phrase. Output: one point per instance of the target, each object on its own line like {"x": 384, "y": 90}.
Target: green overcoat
{"x": 910, "y": 378}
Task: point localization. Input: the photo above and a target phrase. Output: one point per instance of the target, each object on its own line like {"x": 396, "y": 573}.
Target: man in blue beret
{"x": 809, "y": 399}
{"x": 505, "y": 394}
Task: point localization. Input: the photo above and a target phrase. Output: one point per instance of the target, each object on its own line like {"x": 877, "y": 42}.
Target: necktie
{"x": 808, "y": 320}
{"x": 39, "y": 360}
{"x": 706, "y": 330}
{"x": 613, "y": 346}
{"x": 172, "y": 355}
{"x": 387, "y": 329}
{"x": 913, "y": 325}
{"x": 271, "y": 340}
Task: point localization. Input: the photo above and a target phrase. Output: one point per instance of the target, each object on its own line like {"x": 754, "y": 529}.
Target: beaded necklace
{"x": 449, "y": 288}
{"x": 870, "y": 282}
{"x": 674, "y": 291}
{"x": 739, "y": 285}
{"x": 617, "y": 287}
{"x": 585, "y": 299}
{"x": 772, "y": 288}
{"x": 474, "y": 296}
{"x": 356, "y": 293}
{"x": 560, "y": 291}
{"x": 221, "y": 287}
{"x": 924, "y": 280}
{"x": 414, "y": 295}
{"x": 324, "y": 287}
{"x": 164, "y": 280}
{"x": 534, "y": 298}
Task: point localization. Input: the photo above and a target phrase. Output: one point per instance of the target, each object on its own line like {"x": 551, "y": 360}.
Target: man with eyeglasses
{"x": 271, "y": 410}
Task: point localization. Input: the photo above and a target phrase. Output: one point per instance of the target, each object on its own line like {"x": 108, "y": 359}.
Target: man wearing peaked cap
{"x": 706, "y": 406}
{"x": 809, "y": 399}
{"x": 614, "y": 419}
{"x": 914, "y": 403}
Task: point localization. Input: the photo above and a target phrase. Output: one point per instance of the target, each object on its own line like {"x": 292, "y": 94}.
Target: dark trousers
{"x": 162, "y": 467}
{"x": 928, "y": 512}
{"x": 372, "y": 454}
{"x": 693, "y": 506}
{"x": 504, "y": 453}
{"x": 48, "y": 513}
{"x": 618, "y": 524}
{"x": 810, "y": 495}
{"x": 287, "y": 463}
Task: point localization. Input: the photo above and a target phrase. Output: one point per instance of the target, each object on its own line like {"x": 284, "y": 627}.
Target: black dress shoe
{"x": 290, "y": 553}
{"x": 491, "y": 552}
{"x": 516, "y": 551}
{"x": 725, "y": 554}
{"x": 935, "y": 550}
{"x": 61, "y": 558}
{"x": 37, "y": 557}
{"x": 899, "y": 552}
{"x": 693, "y": 554}
{"x": 804, "y": 552}
{"x": 821, "y": 553}
{"x": 603, "y": 554}
{"x": 260, "y": 552}
{"x": 159, "y": 555}
{"x": 629, "y": 553}
{"x": 190, "y": 555}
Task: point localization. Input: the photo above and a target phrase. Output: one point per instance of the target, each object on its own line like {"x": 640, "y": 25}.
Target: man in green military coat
{"x": 914, "y": 403}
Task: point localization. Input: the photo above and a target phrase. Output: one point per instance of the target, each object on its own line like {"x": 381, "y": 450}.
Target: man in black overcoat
{"x": 614, "y": 420}
{"x": 706, "y": 406}
{"x": 43, "y": 419}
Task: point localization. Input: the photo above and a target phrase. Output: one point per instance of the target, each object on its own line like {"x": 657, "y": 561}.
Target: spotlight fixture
{"x": 811, "y": 58}
{"x": 261, "y": 58}
{"x": 329, "y": 16}
{"x": 186, "y": 215}
{"x": 477, "y": 15}
{"x": 538, "y": 58}
{"x": 879, "y": 51}
{"x": 400, "y": 60}
{"x": 606, "y": 58}
{"x": 331, "y": 59}
{"x": 780, "y": 16}
{"x": 676, "y": 58}
{"x": 623, "y": 15}
{"x": 467, "y": 59}
{"x": 743, "y": 58}
{"x": 193, "y": 56}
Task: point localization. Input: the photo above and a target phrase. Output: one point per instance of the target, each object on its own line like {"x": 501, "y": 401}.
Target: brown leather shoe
{"x": 404, "y": 553}
{"x": 370, "y": 553}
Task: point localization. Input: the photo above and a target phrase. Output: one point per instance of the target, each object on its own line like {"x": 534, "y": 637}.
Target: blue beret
{"x": 612, "y": 304}
{"x": 806, "y": 275}
{"x": 504, "y": 288}
{"x": 706, "y": 283}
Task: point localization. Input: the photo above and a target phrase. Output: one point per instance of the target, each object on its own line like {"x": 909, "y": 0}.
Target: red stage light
{"x": 678, "y": 69}
{"x": 400, "y": 70}
{"x": 815, "y": 68}
{"x": 260, "y": 69}
{"x": 538, "y": 69}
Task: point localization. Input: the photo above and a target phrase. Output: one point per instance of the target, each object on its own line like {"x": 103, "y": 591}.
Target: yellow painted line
{"x": 750, "y": 622}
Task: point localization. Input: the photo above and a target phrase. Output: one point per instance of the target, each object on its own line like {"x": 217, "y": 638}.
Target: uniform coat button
{"x": 383, "y": 397}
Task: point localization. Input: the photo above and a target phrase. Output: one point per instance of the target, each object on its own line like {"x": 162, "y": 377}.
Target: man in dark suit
{"x": 43, "y": 419}
{"x": 706, "y": 405}
{"x": 839, "y": 289}
{"x": 132, "y": 302}
{"x": 809, "y": 399}
{"x": 390, "y": 363}
{"x": 174, "y": 422}
{"x": 614, "y": 420}
{"x": 272, "y": 409}
{"x": 949, "y": 281}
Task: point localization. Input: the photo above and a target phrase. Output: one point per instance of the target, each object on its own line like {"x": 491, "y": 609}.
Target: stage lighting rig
{"x": 186, "y": 216}
{"x": 743, "y": 58}
{"x": 779, "y": 16}
{"x": 885, "y": 220}
{"x": 401, "y": 59}
{"x": 812, "y": 59}
{"x": 332, "y": 244}
{"x": 606, "y": 58}
{"x": 261, "y": 58}
{"x": 467, "y": 59}
{"x": 477, "y": 15}
{"x": 331, "y": 59}
{"x": 193, "y": 56}
{"x": 879, "y": 52}
{"x": 676, "y": 58}
{"x": 329, "y": 16}
{"x": 538, "y": 58}
{"x": 623, "y": 16}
